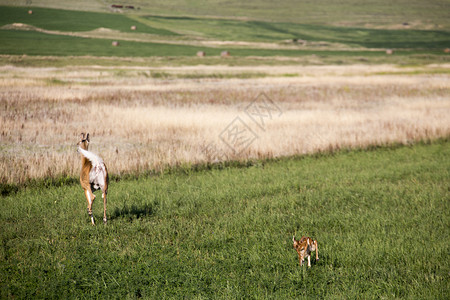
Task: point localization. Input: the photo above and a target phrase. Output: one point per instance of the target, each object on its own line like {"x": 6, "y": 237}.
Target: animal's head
{"x": 84, "y": 141}
{"x": 296, "y": 243}
{"x": 300, "y": 247}
{"x": 300, "y": 244}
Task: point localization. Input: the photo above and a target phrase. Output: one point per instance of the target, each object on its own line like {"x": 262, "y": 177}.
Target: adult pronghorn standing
{"x": 94, "y": 175}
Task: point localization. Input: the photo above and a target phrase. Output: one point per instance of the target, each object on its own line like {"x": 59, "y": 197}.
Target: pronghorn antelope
{"x": 304, "y": 247}
{"x": 94, "y": 175}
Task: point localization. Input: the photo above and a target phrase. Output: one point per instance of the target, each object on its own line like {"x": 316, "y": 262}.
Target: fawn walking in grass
{"x": 94, "y": 176}
{"x": 304, "y": 247}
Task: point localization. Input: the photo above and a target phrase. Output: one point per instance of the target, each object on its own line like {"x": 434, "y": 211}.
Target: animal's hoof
{"x": 105, "y": 220}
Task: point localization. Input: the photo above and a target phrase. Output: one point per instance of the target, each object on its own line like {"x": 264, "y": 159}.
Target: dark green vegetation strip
{"x": 236, "y": 30}
{"x": 37, "y": 43}
{"x": 380, "y": 217}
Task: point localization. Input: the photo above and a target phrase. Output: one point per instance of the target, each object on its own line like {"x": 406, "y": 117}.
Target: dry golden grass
{"x": 138, "y": 122}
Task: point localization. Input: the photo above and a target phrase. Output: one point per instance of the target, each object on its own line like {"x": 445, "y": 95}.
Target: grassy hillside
{"x": 38, "y": 43}
{"x": 73, "y": 21}
{"x": 64, "y": 32}
{"x": 242, "y": 30}
{"x": 381, "y": 219}
{"x": 224, "y": 29}
{"x": 381, "y": 13}
{"x": 432, "y": 14}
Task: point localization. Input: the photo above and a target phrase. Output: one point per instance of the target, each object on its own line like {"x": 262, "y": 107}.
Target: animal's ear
{"x": 87, "y": 137}
{"x": 82, "y": 136}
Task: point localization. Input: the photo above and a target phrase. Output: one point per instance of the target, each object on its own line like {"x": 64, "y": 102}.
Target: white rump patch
{"x": 97, "y": 175}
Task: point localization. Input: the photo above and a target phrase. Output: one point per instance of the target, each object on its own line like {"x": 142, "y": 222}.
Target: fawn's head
{"x": 298, "y": 245}
{"x": 84, "y": 141}
{"x": 295, "y": 242}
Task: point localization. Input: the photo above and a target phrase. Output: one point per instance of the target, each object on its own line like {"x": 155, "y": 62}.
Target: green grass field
{"x": 431, "y": 14}
{"x": 263, "y": 31}
{"x": 381, "y": 218}
{"x": 328, "y": 40}
{"x": 36, "y": 43}
{"x": 72, "y": 21}
{"x": 225, "y": 29}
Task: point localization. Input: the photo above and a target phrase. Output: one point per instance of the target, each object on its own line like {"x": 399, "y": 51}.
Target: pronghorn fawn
{"x": 93, "y": 176}
{"x": 304, "y": 247}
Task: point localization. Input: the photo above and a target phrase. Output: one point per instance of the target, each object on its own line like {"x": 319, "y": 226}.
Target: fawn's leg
{"x": 90, "y": 197}
{"x": 300, "y": 258}
{"x": 309, "y": 260}
{"x": 317, "y": 251}
{"x": 104, "y": 206}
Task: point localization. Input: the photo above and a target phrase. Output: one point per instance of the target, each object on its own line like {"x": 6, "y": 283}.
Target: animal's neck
{"x": 84, "y": 160}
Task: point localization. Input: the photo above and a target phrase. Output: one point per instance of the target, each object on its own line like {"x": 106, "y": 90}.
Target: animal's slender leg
{"x": 301, "y": 256}
{"x": 104, "y": 207}
{"x": 90, "y": 199}
{"x": 309, "y": 261}
{"x": 317, "y": 251}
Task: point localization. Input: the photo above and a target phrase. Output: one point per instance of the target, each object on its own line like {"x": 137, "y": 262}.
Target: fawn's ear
{"x": 82, "y": 136}
{"x": 87, "y": 137}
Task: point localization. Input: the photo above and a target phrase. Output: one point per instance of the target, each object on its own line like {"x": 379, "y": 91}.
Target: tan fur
{"x": 86, "y": 167}
{"x": 304, "y": 247}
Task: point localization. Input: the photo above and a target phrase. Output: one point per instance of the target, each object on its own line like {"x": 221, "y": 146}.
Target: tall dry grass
{"x": 141, "y": 123}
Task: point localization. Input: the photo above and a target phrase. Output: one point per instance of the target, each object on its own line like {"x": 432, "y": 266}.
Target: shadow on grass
{"x": 133, "y": 212}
